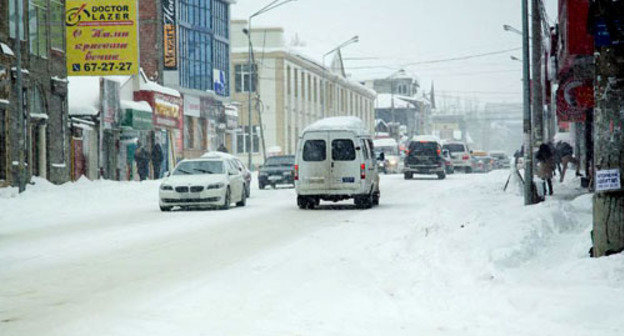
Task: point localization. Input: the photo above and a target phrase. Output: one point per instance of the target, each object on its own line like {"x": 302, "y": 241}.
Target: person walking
{"x": 157, "y": 159}
{"x": 142, "y": 158}
{"x": 565, "y": 155}
{"x": 546, "y": 166}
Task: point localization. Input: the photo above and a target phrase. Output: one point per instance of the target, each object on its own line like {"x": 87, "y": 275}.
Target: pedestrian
{"x": 222, "y": 148}
{"x": 565, "y": 155}
{"x": 157, "y": 159}
{"x": 142, "y": 158}
{"x": 546, "y": 166}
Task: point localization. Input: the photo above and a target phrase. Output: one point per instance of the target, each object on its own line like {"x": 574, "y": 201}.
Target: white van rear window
{"x": 343, "y": 150}
{"x": 314, "y": 150}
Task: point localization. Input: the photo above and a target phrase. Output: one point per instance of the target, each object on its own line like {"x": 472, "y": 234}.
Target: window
{"x": 221, "y": 19}
{"x": 364, "y": 147}
{"x": 196, "y": 46}
{"x": 3, "y": 157}
{"x": 241, "y": 78}
{"x": 37, "y": 25}
{"x": 303, "y": 90}
{"x": 288, "y": 81}
{"x": 315, "y": 91}
{"x": 57, "y": 31}
{"x": 309, "y": 88}
{"x": 243, "y": 144}
{"x": 296, "y": 82}
{"x": 13, "y": 17}
{"x": 222, "y": 62}
{"x": 343, "y": 150}
{"x": 314, "y": 150}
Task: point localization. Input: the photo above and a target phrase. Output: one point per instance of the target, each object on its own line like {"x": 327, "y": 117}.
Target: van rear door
{"x": 314, "y": 165}
{"x": 345, "y": 167}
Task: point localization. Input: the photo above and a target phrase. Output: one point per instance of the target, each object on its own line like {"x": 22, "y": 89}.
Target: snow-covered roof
{"x": 386, "y": 142}
{"x": 337, "y": 124}
{"x": 136, "y": 105}
{"x": 384, "y": 101}
{"x": 148, "y": 85}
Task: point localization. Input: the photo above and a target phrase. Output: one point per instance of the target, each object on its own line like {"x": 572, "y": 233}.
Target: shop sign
{"x": 109, "y": 103}
{"x": 170, "y": 36}
{"x": 137, "y": 120}
{"x": 102, "y": 39}
{"x": 192, "y": 106}
{"x": 574, "y": 98}
{"x": 608, "y": 180}
{"x": 166, "y": 111}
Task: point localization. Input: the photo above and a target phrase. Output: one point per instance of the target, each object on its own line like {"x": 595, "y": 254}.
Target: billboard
{"x": 170, "y": 47}
{"x": 102, "y": 39}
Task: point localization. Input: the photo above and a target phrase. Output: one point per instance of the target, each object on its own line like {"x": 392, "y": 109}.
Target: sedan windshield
{"x": 199, "y": 168}
{"x": 280, "y": 161}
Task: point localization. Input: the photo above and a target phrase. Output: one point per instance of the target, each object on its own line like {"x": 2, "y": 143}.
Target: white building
{"x": 293, "y": 91}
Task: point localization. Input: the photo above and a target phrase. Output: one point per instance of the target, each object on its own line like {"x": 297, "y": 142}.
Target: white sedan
{"x": 206, "y": 182}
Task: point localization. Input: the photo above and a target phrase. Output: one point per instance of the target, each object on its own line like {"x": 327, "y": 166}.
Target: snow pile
{"x": 337, "y": 123}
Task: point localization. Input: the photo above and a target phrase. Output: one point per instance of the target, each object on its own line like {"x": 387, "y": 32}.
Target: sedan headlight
{"x": 215, "y": 186}
{"x": 166, "y": 187}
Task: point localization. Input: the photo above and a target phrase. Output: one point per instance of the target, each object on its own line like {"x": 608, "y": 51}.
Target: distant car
{"x": 393, "y": 162}
{"x": 241, "y": 166}
{"x": 501, "y": 160}
{"x": 460, "y": 155}
{"x": 277, "y": 170}
{"x": 481, "y": 162}
{"x": 203, "y": 182}
{"x": 448, "y": 162}
{"x": 424, "y": 157}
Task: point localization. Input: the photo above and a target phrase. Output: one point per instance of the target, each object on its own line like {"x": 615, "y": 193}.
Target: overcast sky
{"x": 399, "y": 32}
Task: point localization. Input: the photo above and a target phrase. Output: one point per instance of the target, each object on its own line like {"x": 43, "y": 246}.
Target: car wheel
{"x": 247, "y": 190}
{"x": 408, "y": 176}
{"x": 468, "y": 170}
{"x": 364, "y": 201}
{"x": 376, "y": 197}
{"x": 165, "y": 208}
{"x": 261, "y": 186}
{"x": 441, "y": 176}
{"x": 227, "y": 200}
{"x": 243, "y": 200}
{"x": 304, "y": 202}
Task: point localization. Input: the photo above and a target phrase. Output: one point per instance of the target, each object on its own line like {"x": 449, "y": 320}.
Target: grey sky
{"x": 407, "y": 31}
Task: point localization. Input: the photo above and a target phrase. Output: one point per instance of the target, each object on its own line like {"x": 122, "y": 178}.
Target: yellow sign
{"x": 102, "y": 37}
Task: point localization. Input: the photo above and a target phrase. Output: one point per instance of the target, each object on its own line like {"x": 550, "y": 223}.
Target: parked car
{"x": 501, "y": 160}
{"x": 203, "y": 182}
{"x": 392, "y": 163}
{"x": 335, "y": 162}
{"x": 277, "y": 170}
{"x": 448, "y": 162}
{"x": 424, "y": 157}
{"x": 460, "y": 155}
{"x": 481, "y": 162}
{"x": 241, "y": 166}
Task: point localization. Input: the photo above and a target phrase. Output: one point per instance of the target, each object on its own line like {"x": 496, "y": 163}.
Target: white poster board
{"x": 608, "y": 180}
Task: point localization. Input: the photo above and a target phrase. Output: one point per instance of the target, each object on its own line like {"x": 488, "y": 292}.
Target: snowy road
{"x": 452, "y": 257}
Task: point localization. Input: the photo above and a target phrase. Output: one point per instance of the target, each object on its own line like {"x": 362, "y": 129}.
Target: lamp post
{"x": 526, "y": 79}
{"x": 272, "y": 5}
{"x": 354, "y": 39}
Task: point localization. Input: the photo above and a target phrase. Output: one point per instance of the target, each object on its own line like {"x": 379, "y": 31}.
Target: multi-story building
{"x": 185, "y": 45}
{"x": 38, "y": 146}
{"x": 399, "y": 106}
{"x": 290, "y": 92}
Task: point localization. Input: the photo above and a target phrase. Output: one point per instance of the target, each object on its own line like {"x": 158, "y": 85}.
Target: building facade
{"x": 193, "y": 57}
{"x": 40, "y": 145}
{"x": 289, "y": 92}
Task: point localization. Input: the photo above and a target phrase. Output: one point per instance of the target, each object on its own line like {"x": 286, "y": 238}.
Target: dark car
{"x": 277, "y": 170}
{"x": 501, "y": 160}
{"x": 424, "y": 157}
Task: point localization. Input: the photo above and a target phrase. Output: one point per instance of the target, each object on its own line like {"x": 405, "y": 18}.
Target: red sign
{"x": 574, "y": 38}
{"x": 574, "y": 98}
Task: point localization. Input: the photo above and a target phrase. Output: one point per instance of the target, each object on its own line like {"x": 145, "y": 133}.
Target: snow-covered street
{"x": 451, "y": 257}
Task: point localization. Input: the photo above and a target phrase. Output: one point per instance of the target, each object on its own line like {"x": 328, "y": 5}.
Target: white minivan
{"x": 334, "y": 162}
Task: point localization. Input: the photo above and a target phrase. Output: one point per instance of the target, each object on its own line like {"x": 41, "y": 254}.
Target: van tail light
{"x": 438, "y": 151}
{"x": 407, "y": 152}
{"x": 296, "y": 172}
{"x": 363, "y": 171}
{"x": 465, "y": 157}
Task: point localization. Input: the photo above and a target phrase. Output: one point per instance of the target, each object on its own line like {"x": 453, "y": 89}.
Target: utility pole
{"x": 536, "y": 90}
{"x": 528, "y": 135}
{"x": 608, "y": 228}
{"x": 21, "y": 169}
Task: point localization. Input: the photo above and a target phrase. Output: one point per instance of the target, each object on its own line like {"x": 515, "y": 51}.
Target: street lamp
{"x": 354, "y": 39}
{"x": 274, "y": 4}
{"x": 514, "y": 58}
{"x": 512, "y": 29}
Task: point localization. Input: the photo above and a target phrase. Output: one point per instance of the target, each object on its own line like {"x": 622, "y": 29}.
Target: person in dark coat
{"x": 565, "y": 155}
{"x": 142, "y": 158}
{"x": 222, "y": 148}
{"x": 157, "y": 159}
{"x": 546, "y": 161}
